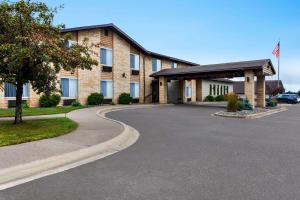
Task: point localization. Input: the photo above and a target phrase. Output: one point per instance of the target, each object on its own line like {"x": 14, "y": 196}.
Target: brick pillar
{"x": 249, "y": 86}
{"x": 194, "y": 90}
{"x": 199, "y": 90}
{"x": 180, "y": 91}
{"x": 163, "y": 89}
{"x": 183, "y": 90}
{"x": 261, "y": 91}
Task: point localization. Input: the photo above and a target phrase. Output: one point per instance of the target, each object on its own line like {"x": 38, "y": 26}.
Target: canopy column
{"x": 194, "y": 90}
{"x": 249, "y": 86}
{"x": 199, "y": 89}
{"x": 261, "y": 91}
{"x": 163, "y": 90}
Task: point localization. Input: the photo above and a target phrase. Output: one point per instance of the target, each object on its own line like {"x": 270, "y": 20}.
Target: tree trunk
{"x": 19, "y": 93}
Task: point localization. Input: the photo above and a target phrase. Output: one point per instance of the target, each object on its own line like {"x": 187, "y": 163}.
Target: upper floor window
{"x": 106, "y": 57}
{"x": 69, "y": 87}
{"x": 134, "y": 89}
{"x": 174, "y": 65}
{"x": 134, "y": 61}
{"x": 106, "y": 89}
{"x": 105, "y": 31}
{"x": 70, "y": 43}
{"x": 156, "y": 64}
{"x": 10, "y": 90}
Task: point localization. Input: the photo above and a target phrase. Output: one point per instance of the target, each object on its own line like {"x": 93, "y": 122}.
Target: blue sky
{"x": 205, "y": 32}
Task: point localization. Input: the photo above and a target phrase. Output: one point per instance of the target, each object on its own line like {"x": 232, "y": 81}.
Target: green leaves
{"x": 32, "y": 49}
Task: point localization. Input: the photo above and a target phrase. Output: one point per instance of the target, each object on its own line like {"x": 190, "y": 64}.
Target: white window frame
{"x": 23, "y": 97}
{"x": 188, "y": 91}
{"x": 110, "y": 49}
{"x": 174, "y": 65}
{"x": 71, "y": 43}
{"x": 135, "y": 67}
{"x": 138, "y": 89}
{"x": 158, "y": 67}
{"x": 112, "y": 89}
{"x": 68, "y": 77}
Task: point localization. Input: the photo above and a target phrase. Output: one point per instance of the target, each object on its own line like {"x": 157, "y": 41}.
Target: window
{"x": 210, "y": 89}
{"x": 70, "y": 43}
{"x": 10, "y": 90}
{"x": 106, "y": 89}
{"x": 218, "y": 89}
{"x": 173, "y": 65}
{"x": 69, "y": 87}
{"x": 221, "y": 88}
{"x": 156, "y": 64}
{"x": 214, "y": 89}
{"x": 188, "y": 91}
{"x": 134, "y": 61}
{"x": 134, "y": 90}
{"x": 106, "y": 57}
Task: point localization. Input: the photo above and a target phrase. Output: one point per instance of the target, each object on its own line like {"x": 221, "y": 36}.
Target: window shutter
{"x": 132, "y": 90}
{"x": 65, "y": 87}
{"x": 109, "y": 89}
{"x": 109, "y": 57}
{"x": 137, "y": 90}
{"x": 103, "y": 88}
{"x": 137, "y": 62}
{"x": 103, "y": 56}
{"x": 132, "y": 61}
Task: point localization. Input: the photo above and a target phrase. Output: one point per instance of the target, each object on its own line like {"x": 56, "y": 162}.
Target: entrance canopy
{"x": 224, "y": 70}
{"x": 247, "y": 69}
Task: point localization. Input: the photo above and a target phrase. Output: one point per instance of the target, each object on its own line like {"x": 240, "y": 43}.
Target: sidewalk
{"x": 91, "y": 130}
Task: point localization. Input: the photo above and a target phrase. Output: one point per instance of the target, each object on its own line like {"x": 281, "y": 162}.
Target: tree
{"x": 33, "y": 50}
{"x": 299, "y": 92}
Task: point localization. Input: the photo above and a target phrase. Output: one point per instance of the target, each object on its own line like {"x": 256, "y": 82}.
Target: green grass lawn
{"x": 39, "y": 111}
{"x": 32, "y": 130}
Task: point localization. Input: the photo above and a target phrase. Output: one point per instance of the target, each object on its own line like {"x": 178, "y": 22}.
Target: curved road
{"x": 185, "y": 153}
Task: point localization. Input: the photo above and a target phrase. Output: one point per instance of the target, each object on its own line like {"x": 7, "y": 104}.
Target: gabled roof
{"x": 128, "y": 39}
{"x": 223, "y": 67}
{"x": 271, "y": 85}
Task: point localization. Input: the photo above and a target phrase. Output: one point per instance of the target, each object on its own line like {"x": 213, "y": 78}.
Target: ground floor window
{"x": 134, "y": 90}
{"x": 188, "y": 91}
{"x": 10, "y": 90}
{"x": 106, "y": 88}
{"x": 69, "y": 87}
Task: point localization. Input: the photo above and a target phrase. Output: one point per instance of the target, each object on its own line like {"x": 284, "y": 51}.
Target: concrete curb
{"x": 252, "y": 116}
{"x": 23, "y": 173}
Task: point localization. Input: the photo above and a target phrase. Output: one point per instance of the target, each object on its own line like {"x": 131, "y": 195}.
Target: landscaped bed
{"x": 39, "y": 111}
{"x": 32, "y": 130}
{"x": 251, "y": 114}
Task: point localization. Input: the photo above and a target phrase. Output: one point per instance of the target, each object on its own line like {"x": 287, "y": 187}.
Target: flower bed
{"x": 251, "y": 114}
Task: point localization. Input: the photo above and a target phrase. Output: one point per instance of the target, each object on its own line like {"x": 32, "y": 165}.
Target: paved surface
{"x": 91, "y": 130}
{"x": 185, "y": 153}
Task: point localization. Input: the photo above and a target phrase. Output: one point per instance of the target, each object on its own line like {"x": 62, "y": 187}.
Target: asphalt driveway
{"x": 185, "y": 153}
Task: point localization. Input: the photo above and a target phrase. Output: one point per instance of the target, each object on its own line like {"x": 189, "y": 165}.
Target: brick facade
{"x": 88, "y": 81}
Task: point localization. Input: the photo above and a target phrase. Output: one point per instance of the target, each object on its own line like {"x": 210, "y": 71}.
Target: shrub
{"x": 125, "y": 98}
{"x": 51, "y": 100}
{"x": 240, "y": 105}
{"x": 271, "y": 102}
{"x": 220, "y": 98}
{"x": 76, "y": 103}
{"x": 247, "y": 105}
{"x": 95, "y": 99}
{"x": 25, "y": 105}
{"x": 209, "y": 98}
{"x": 232, "y": 102}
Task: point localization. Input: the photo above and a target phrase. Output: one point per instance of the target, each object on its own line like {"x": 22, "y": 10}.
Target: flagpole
{"x": 278, "y": 63}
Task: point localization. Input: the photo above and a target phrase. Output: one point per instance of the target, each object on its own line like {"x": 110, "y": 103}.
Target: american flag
{"x": 276, "y": 50}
